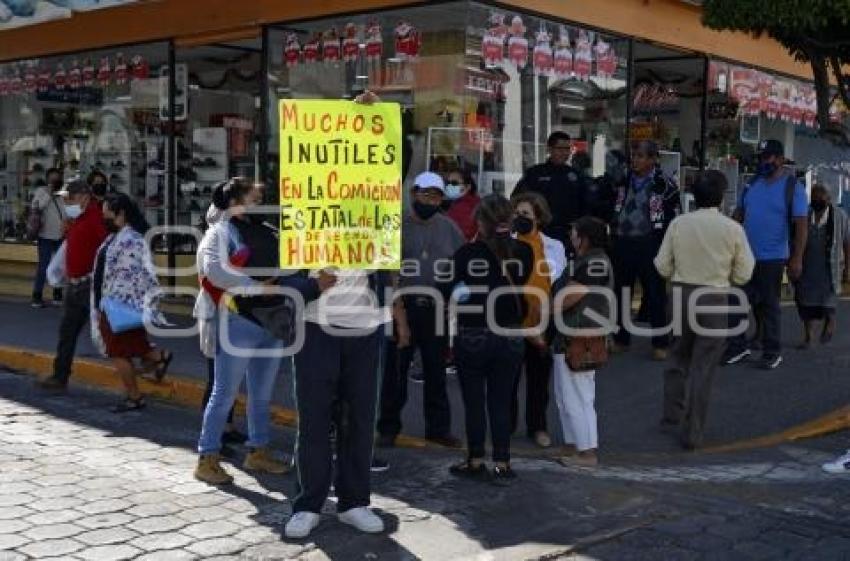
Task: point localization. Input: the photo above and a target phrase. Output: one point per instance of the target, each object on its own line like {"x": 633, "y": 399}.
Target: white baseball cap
{"x": 429, "y": 180}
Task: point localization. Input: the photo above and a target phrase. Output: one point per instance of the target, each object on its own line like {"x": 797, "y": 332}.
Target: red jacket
{"x": 83, "y": 239}
{"x": 462, "y": 212}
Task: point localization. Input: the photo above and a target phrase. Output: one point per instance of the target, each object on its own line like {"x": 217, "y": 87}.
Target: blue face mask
{"x": 453, "y": 191}
{"x": 765, "y": 169}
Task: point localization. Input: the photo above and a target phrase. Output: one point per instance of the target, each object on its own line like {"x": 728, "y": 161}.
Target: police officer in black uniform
{"x": 561, "y": 185}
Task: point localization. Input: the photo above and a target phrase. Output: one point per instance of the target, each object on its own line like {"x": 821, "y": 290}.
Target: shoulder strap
{"x": 790, "y": 186}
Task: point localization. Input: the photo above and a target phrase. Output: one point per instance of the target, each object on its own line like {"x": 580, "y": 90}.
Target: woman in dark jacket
{"x": 489, "y": 361}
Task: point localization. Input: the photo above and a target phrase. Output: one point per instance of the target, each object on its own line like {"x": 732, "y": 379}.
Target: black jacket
{"x": 664, "y": 203}
{"x": 564, "y": 188}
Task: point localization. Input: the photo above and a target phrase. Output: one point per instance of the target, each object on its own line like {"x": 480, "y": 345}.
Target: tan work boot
{"x": 260, "y": 459}
{"x": 209, "y": 470}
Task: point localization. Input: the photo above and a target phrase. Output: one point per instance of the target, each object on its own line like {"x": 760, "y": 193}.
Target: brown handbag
{"x": 587, "y": 353}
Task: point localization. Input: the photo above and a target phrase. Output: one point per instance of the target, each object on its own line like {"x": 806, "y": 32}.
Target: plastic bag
{"x": 56, "y": 275}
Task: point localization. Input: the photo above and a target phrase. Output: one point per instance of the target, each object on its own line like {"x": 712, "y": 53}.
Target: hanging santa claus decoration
{"x": 374, "y": 42}
{"x": 518, "y": 44}
{"x": 606, "y": 59}
{"x": 16, "y": 84}
{"x": 584, "y": 56}
{"x": 104, "y": 73}
{"x": 311, "y": 49}
{"x": 331, "y": 51}
{"x": 75, "y": 76}
{"x": 493, "y": 42}
{"x": 139, "y": 68}
{"x": 542, "y": 60}
{"x": 121, "y": 72}
{"x": 796, "y": 106}
{"x": 563, "y": 57}
{"x": 350, "y": 44}
{"x": 4, "y": 85}
{"x": 30, "y": 79}
{"x": 60, "y": 77}
{"x": 88, "y": 73}
{"x": 291, "y": 51}
{"x": 809, "y": 107}
{"x": 43, "y": 81}
{"x": 407, "y": 41}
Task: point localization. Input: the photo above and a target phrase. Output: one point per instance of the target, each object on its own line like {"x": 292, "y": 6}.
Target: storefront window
{"x": 526, "y": 77}
{"x": 410, "y": 56}
{"x": 97, "y": 110}
{"x": 217, "y": 106}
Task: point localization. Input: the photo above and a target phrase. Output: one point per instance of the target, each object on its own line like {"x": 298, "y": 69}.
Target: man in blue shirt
{"x": 767, "y": 208}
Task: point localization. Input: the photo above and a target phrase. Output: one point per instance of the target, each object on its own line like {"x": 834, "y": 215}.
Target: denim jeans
{"x": 46, "y": 250}
{"x": 230, "y": 370}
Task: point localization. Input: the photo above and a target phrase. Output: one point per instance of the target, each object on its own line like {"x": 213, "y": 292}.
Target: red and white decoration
{"x": 374, "y": 42}
{"x": 311, "y": 49}
{"x": 493, "y": 43}
{"x": 122, "y": 74}
{"x": 60, "y": 77}
{"x": 331, "y": 50}
{"x": 407, "y": 41}
{"x": 88, "y": 73}
{"x": 4, "y": 85}
{"x": 542, "y": 59}
{"x": 104, "y": 72}
{"x": 43, "y": 81}
{"x": 16, "y": 84}
{"x": 563, "y": 57}
{"x": 291, "y": 51}
{"x": 606, "y": 59}
{"x": 75, "y": 76}
{"x": 583, "y": 64}
{"x": 518, "y": 44}
{"x": 351, "y": 44}
{"x": 30, "y": 79}
{"x": 139, "y": 68}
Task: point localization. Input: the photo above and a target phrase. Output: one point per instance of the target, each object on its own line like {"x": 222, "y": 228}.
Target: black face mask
{"x": 56, "y": 184}
{"x": 818, "y": 205}
{"x": 425, "y": 211}
{"x": 523, "y": 225}
{"x": 110, "y": 225}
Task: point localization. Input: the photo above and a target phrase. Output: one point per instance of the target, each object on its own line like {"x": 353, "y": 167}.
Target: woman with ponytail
{"x": 489, "y": 346}
{"x": 124, "y": 274}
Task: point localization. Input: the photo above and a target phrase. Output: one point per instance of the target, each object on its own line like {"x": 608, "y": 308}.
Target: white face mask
{"x": 453, "y": 192}
{"x": 73, "y": 211}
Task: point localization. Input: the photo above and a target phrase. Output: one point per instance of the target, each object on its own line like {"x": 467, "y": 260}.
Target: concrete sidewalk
{"x": 747, "y": 403}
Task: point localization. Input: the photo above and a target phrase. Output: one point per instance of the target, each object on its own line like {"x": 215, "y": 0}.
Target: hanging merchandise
{"x": 43, "y": 80}
{"x": 60, "y": 77}
{"x": 311, "y": 49}
{"x": 407, "y": 41}
{"x": 350, "y": 44}
{"x": 16, "y": 84}
{"x": 75, "y": 76}
{"x": 4, "y": 85}
{"x": 331, "y": 51}
{"x": 374, "y": 41}
{"x": 606, "y": 59}
{"x": 88, "y": 73}
{"x": 584, "y": 56}
{"x": 563, "y": 59}
{"x": 796, "y": 105}
{"x": 104, "y": 72}
{"x": 542, "y": 60}
{"x": 292, "y": 51}
{"x": 30, "y": 79}
{"x": 139, "y": 68}
{"x": 764, "y": 83}
{"x": 518, "y": 44}
{"x": 493, "y": 42}
{"x": 121, "y": 72}
{"x": 809, "y": 106}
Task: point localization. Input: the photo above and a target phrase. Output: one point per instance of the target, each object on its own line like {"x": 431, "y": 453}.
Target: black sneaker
{"x": 770, "y": 362}
{"x": 503, "y": 475}
{"x": 735, "y": 357}
{"x": 379, "y": 465}
{"x": 465, "y": 470}
{"x": 37, "y": 303}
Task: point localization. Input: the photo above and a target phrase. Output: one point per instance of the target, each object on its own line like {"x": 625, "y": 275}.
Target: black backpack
{"x": 790, "y": 186}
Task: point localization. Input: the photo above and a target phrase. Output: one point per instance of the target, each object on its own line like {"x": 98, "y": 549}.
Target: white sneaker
{"x": 363, "y": 519}
{"x": 301, "y": 524}
{"x": 840, "y": 465}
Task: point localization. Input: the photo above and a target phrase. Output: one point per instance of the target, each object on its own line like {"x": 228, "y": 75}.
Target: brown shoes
{"x": 209, "y": 470}
{"x": 261, "y": 459}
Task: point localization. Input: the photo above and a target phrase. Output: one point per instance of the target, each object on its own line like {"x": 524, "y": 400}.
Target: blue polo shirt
{"x": 766, "y": 216}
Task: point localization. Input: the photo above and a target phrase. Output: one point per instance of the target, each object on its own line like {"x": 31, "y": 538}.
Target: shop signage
{"x": 340, "y": 185}
{"x": 484, "y": 84}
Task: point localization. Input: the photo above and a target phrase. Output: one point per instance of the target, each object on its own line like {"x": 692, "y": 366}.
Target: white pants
{"x": 575, "y": 393}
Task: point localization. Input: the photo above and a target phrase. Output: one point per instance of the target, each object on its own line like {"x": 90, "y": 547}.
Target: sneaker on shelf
{"x": 770, "y": 362}
{"x": 301, "y": 524}
{"x": 379, "y": 465}
{"x": 209, "y": 470}
{"x": 735, "y": 357}
{"x": 261, "y": 459}
{"x": 841, "y": 464}
{"x": 363, "y": 519}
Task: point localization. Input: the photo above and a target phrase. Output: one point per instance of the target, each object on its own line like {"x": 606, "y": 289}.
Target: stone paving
{"x": 77, "y": 482}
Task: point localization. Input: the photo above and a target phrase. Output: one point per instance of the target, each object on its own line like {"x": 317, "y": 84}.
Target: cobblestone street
{"x": 77, "y": 482}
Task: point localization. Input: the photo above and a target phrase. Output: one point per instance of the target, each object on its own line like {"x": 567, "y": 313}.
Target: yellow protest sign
{"x": 340, "y": 185}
